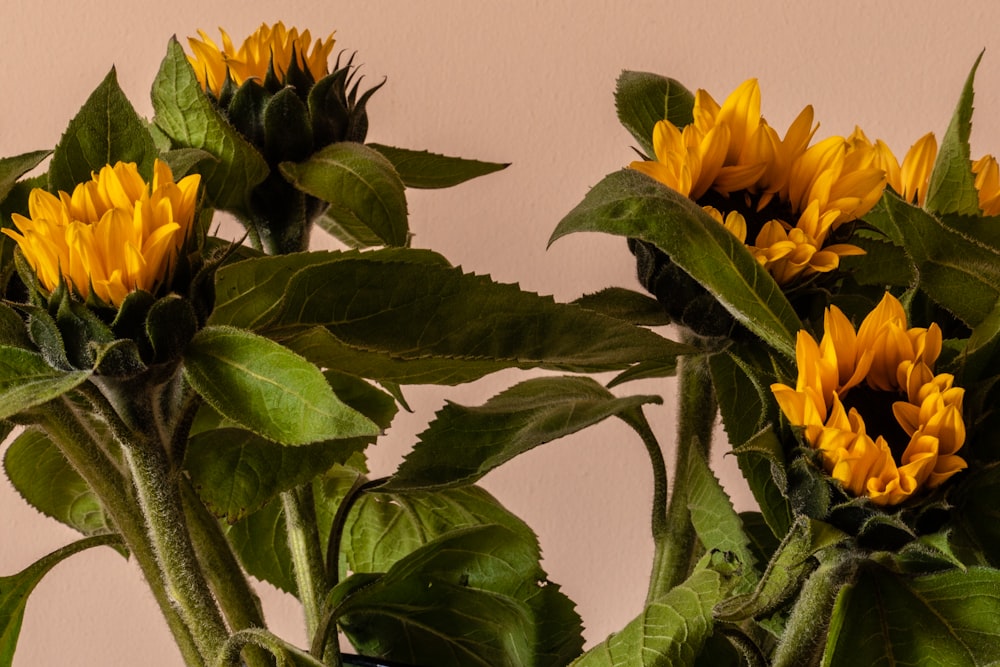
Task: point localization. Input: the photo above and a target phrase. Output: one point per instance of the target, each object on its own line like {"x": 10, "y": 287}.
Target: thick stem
{"x": 70, "y": 433}
{"x": 307, "y": 554}
{"x": 161, "y": 504}
{"x": 224, "y": 574}
{"x": 804, "y": 639}
{"x": 696, "y": 411}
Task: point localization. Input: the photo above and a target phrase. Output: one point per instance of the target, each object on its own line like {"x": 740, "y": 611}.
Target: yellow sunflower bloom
{"x": 114, "y": 234}
{"x": 270, "y": 46}
{"x": 881, "y": 375}
{"x": 730, "y": 158}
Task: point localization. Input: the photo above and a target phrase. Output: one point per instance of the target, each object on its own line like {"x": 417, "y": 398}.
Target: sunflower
{"x": 792, "y": 196}
{"x": 269, "y": 47}
{"x": 911, "y": 178}
{"x": 886, "y": 426}
{"x": 114, "y": 234}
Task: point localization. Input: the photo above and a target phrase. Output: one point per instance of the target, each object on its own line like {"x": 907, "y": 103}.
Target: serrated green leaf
{"x": 474, "y": 596}
{"x": 361, "y": 186}
{"x": 268, "y": 389}
{"x": 947, "y": 618}
{"x": 643, "y": 98}
{"x": 464, "y": 443}
{"x": 26, "y": 380}
{"x": 718, "y": 526}
{"x": 955, "y": 268}
{"x": 628, "y": 203}
{"x": 882, "y": 264}
{"x": 189, "y": 118}
{"x": 15, "y": 589}
{"x": 406, "y": 305}
{"x": 235, "y": 472}
{"x": 13, "y": 168}
{"x": 45, "y": 479}
{"x": 422, "y": 169}
{"x": 952, "y": 186}
{"x": 105, "y": 131}
{"x": 762, "y": 462}
{"x": 625, "y": 304}
{"x": 670, "y": 631}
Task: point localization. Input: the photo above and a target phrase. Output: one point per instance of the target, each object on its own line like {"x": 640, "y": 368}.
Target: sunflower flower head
{"x": 112, "y": 235}
{"x": 271, "y": 50}
{"x": 886, "y": 426}
{"x": 793, "y": 196}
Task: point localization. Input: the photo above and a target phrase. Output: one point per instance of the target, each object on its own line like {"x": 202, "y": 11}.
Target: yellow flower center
{"x": 114, "y": 234}
{"x": 887, "y": 427}
{"x": 270, "y": 46}
{"x": 792, "y": 196}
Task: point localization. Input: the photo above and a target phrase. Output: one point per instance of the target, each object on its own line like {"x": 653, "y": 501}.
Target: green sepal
{"x": 27, "y": 380}
{"x": 170, "y": 325}
{"x": 288, "y": 134}
{"x": 338, "y": 114}
{"x": 246, "y": 110}
{"x": 46, "y": 337}
{"x": 15, "y": 589}
{"x": 106, "y": 130}
{"x": 642, "y": 99}
{"x": 952, "y": 186}
{"x": 426, "y": 170}
{"x": 13, "y": 329}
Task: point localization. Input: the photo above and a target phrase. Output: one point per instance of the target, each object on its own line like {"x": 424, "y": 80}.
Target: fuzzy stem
{"x": 676, "y": 553}
{"x": 307, "y": 554}
{"x": 804, "y": 639}
{"x": 237, "y": 599}
{"x": 71, "y": 434}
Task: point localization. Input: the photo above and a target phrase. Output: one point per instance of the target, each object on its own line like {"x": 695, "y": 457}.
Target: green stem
{"x": 659, "y": 526}
{"x": 804, "y": 639}
{"x": 160, "y": 501}
{"x": 677, "y": 551}
{"x": 224, "y": 574}
{"x": 71, "y": 433}
{"x": 307, "y": 554}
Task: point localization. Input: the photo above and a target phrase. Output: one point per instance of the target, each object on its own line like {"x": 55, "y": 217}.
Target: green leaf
{"x": 955, "y": 267}
{"x": 952, "y": 187}
{"x": 421, "y": 169}
{"x": 260, "y": 541}
{"x": 361, "y": 186}
{"x": 645, "y": 370}
{"x": 978, "y": 514}
{"x": 189, "y": 118}
{"x": 982, "y": 348}
{"x": 475, "y": 596}
{"x": 15, "y": 589}
{"x": 628, "y": 203}
{"x": 718, "y": 526}
{"x": 268, "y": 389}
{"x": 236, "y": 472}
{"x": 642, "y": 99}
{"x": 762, "y": 462}
{"x": 386, "y": 527}
{"x": 670, "y": 631}
{"x": 625, "y": 304}
{"x": 13, "y": 168}
{"x": 398, "y": 303}
{"x": 464, "y": 443}
{"x": 26, "y": 380}
{"x": 47, "y": 482}
{"x": 948, "y": 618}
{"x": 105, "y": 131}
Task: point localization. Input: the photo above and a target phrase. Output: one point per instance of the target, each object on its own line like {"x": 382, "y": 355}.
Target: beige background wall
{"x": 528, "y": 82}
